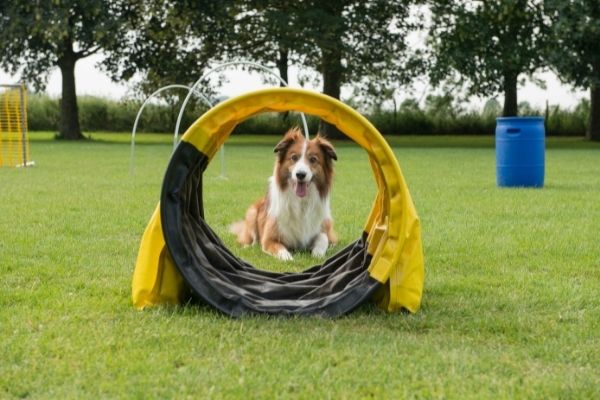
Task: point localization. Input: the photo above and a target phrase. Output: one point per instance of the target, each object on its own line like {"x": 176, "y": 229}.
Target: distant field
{"x": 511, "y": 307}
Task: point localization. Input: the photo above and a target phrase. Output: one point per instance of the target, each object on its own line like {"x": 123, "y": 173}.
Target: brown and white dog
{"x": 295, "y": 214}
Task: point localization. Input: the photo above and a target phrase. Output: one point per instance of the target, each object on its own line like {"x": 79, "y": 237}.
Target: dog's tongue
{"x": 301, "y": 189}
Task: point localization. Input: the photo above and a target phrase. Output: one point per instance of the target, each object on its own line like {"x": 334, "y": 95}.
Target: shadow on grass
{"x": 570, "y": 187}
{"x": 366, "y": 317}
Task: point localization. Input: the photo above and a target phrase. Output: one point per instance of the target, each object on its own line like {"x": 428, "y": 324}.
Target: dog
{"x": 295, "y": 214}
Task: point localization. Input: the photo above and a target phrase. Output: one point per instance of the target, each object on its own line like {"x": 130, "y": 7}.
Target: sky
{"x": 90, "y": 80}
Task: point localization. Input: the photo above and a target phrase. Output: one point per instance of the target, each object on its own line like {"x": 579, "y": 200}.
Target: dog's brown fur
{"x": 259, "y": 226}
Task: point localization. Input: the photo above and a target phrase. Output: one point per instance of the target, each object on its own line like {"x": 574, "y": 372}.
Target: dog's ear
{"x": 282, "y": 146}
{"x": 327, "y": 147}
{"x": 288, "y": 139}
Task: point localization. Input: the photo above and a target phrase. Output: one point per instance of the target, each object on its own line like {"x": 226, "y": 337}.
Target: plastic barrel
{"x": 520, "y": 147}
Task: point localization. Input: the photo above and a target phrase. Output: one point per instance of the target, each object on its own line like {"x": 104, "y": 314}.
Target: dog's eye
{"x": 313, "y": 159}
{"x": 294, "y": 157}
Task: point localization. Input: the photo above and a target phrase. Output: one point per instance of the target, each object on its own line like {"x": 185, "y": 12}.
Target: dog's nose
{"x": 300, "y": 175}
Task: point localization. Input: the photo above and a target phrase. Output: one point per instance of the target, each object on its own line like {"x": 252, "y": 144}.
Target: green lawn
{"x": 511, "y": 307}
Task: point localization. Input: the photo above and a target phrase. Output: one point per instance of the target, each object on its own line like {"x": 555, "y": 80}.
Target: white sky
{"x": 91, "y": 81}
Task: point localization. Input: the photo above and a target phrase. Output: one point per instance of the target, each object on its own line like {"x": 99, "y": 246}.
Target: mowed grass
{"x": 511, "y": 307}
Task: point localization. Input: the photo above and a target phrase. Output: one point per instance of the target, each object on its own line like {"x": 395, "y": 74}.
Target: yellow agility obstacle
{"x": 180, "y": 256}
{"x": 14, "y": 136}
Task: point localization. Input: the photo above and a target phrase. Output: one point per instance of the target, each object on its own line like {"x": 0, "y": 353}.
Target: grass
{"x": 510, "y": 310}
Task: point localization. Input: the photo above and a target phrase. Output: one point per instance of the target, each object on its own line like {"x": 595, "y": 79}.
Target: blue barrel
{"x": 520, "y": 147}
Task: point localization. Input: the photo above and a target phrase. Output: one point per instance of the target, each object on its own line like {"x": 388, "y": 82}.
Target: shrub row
{"x": 438, "y": 116}
{"x": 99, "y": 114}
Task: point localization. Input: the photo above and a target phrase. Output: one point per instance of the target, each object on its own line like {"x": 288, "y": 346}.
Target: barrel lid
{"x": 521, "y": 119}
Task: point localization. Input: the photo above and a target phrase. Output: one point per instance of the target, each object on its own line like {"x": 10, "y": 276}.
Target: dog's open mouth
{"x": 301, "y": 189}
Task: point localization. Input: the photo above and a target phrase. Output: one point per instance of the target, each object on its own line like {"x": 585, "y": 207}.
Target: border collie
{"x": 295, "y": 214}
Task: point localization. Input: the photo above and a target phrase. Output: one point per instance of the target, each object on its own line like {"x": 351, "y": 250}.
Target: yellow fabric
{"x": 155, "y": 278}
{"x": 393, "y": 226}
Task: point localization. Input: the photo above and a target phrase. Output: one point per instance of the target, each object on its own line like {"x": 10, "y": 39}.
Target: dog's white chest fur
{"x": 299, "y": 220}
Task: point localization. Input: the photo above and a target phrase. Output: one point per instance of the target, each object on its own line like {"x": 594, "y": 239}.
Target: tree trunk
{"x": 395, "y": 126}
{"x": 69, "y": 115}
{"x": 593, "y": 131}
{"x": 510, "y": 95}
{"x": 332, "y": 79}
{"x": 282, "y": 64}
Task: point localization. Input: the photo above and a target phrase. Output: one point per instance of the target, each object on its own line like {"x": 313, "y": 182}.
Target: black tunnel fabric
{"x": 217, "y": 277}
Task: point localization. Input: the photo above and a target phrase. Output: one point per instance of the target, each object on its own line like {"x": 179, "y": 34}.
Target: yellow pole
{"x": 9, "y": 151}
{"x": 2, "y": 100}
{"x": 24, "y": 130}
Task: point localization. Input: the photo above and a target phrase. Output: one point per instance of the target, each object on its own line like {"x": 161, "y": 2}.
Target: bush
{"x": 275, "y": 124}
{"x": 93, "y": 113}
{"x": 566, "y": 122}
{"x": 42, "y": 113}
{"x": 440, "y": 116}
{"x": 100, "y": 114}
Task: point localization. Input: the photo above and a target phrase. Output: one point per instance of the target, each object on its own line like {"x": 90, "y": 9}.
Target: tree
{"x": 575, "y": 50}
{"x": 268, "y": 32}
{"x": 442, "y": 106}
{"x": 491, "y": 108}
{"x": 363, "y": 43}
{"x": 350, "y": 41}
{"x": 489, "y": 43}
{"x": 172, "y": 42}
{"x": 356, "y": 42}
{"x": 39, "y": 36}
{"x": 346, "y": 41}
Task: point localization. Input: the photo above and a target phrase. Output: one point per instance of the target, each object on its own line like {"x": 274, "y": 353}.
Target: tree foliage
{"x": 575, "y": 49}
{"x": 363, "y": 43}
{"x": 369, "y": 38}
{"x": 268, "y": 32}
{"x": 489, "y": 43}
{"x": 575, "y": 45}
{"x": 39, "y": 36}
{"x": 172, "y": 42}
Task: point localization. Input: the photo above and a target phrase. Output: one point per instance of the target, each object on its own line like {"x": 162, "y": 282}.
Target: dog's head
{"x": 302, "y": 164}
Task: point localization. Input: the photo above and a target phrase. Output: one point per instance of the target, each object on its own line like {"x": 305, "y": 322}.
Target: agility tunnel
{"x": 180, "y": 257}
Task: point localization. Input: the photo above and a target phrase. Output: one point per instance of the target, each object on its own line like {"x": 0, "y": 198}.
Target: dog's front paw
{"x": 318, "y": 253}
{"x": 284, "y": 255}
{"x": 320, "y": 246}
